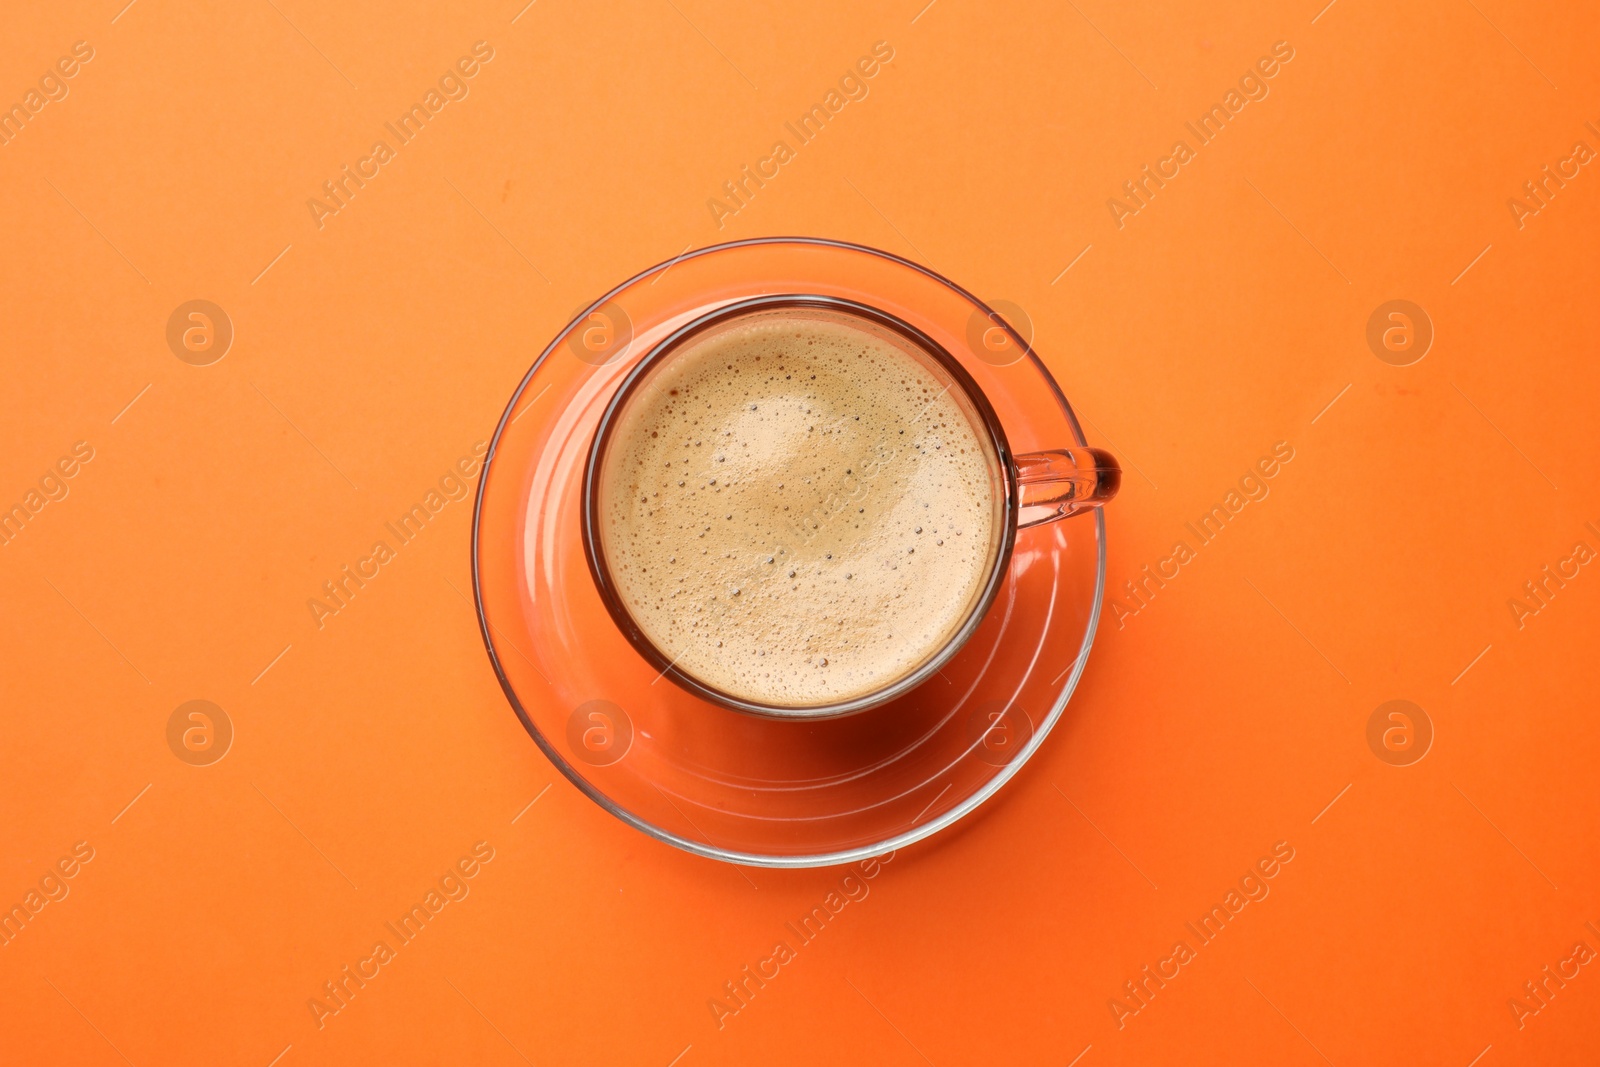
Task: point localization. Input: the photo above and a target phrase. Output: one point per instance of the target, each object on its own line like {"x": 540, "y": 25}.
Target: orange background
{"x": 370, "y": 754}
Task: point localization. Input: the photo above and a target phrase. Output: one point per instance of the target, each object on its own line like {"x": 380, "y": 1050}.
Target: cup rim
{"x": 611, "y": 596}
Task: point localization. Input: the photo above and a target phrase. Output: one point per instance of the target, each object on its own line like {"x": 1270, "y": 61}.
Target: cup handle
{"x": 1063, "y": 481}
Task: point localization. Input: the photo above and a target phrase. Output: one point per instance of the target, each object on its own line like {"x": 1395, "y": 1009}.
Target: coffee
{"x": 798, "y": 508}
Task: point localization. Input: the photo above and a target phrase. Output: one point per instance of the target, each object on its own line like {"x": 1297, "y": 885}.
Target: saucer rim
{"x": 803, "y": 860}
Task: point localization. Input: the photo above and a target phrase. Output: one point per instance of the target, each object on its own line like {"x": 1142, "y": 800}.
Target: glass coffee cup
{"x": 1017, "y": 492}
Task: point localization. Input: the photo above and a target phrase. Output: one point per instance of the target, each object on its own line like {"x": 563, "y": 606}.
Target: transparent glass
{"x": 1059, "y": 483}
{"x": 748, "y": 788}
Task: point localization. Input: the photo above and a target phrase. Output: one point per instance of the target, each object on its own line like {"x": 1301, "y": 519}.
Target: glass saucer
{"x": 720, "y": 783}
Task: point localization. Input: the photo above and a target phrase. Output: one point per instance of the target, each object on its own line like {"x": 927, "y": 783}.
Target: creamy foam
{"x": 796, "y": 511}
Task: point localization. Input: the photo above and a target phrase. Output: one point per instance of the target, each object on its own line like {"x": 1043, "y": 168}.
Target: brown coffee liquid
{"x": 796, "y": 511}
